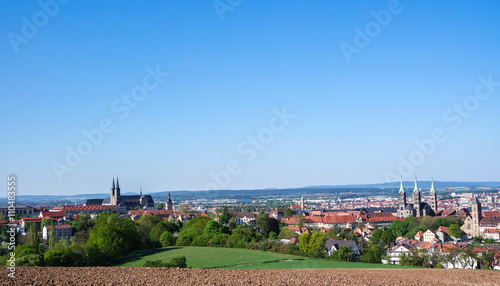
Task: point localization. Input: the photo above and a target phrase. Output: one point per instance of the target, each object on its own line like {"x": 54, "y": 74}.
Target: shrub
{"x": 167, "y": 239}
{"x": 219, "y": 240}
{"x": 30, "y": 260}
{"x": 179, "y": 261}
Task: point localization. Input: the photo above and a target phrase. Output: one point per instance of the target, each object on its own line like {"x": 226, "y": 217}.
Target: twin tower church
{"x": 417, "y": 208}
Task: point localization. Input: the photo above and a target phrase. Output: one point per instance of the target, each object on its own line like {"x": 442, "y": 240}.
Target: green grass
{"x": 204, "y": 257}
{"x": 233, "y": 258}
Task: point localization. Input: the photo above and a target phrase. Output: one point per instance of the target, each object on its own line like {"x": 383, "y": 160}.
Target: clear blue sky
{"x": 354, "y": 120}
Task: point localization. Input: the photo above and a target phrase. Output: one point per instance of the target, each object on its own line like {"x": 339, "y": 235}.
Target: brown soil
{"x": 171, "y": 276}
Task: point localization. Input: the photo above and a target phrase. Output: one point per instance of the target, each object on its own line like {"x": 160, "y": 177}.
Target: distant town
{"x": 449, "y": 228}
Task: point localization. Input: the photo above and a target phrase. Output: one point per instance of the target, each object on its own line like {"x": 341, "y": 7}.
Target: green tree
{"x": 53, "y": 235}
{"x": 219, "y": 240}
{"x": 399, "y": 228}
{"x": 161, "y": 205}
{"x": 167, "y": 239}
{"x": 46, "y": 221}
{"x": 317, "y": 244}
{"x": 455, "y": 231}
{"x": 214, "y": 227}
{"x": 304, "y": 242}
{"x": 225, "y": 216}
{"x": 241, "y": 237}
{"x": 288, "y": 212}
{"x": 159, "y": 229}
{"x": 111, "y": 238}
{"x": 345, "y": 253}
{"x": 144, "y": 225}
{"x": 34, "y": 236}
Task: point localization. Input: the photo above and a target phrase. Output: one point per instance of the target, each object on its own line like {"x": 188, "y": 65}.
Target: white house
{"x": 61, "y": 231}
{"x": 395, "y": 252}
{"x": 334, "y": 245}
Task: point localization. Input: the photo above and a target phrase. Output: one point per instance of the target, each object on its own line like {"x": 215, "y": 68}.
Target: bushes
{"x": 167, "y": 239}
{"x": 219, "y": 240}
{"x": 159, "y": 229}
{"x": 179, "y": 261}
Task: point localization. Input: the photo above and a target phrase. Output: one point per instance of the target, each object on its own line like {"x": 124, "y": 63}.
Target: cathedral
{"x": 131, "y": 202}
{"x": 417, "y": 208}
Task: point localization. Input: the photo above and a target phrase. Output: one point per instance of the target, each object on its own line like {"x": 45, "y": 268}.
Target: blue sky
{"x": 354, "y": 121}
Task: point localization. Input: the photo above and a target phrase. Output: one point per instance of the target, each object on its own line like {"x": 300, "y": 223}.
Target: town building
{"x": 61, "y": 231}
{"x": 417, "y": 208}
{"x": 130, "y": 202}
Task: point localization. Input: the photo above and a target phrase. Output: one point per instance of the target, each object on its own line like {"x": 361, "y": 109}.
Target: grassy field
{"x": 232, "y": 258}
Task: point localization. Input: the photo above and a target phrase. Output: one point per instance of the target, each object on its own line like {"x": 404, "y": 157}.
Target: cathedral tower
{"x": 402, "y": 196}
{"x": 112, "y": 197}
{"x": 477, "y": 215}
{"x": 417, "y": 200}
{"x": 169, "y": 203}
{"x": 433, "y": 201}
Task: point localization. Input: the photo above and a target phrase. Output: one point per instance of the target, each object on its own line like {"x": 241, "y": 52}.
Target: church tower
{"x": 117, "y": 192}
{"x": 112, "y": 197}
{"x": 402, "y": 198}
{"x": 477, "y": 215}
{"x": 433, "y": 198}
{"x": 417, "y": 199}
{"x": 169, "y": 203}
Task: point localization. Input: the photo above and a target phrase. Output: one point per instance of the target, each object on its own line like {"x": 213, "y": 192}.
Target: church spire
{"x": 401, "y": 187}
{"x": 141, "y": 191}
{"x": 416, "y": 186}
{"x": 113, "y": 186}
{"x": 117, "y": 184}
{"x": 433, "y": 190}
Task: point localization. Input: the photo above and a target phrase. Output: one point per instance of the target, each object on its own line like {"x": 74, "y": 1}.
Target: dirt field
{"x": 164, "y": 276}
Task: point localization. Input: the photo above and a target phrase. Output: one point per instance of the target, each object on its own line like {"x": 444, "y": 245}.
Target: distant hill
{"x": 361, "y": 189}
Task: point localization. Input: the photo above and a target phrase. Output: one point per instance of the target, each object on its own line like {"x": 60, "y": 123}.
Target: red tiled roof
{"x": 444, "y": 229}
{"x": 290, "y": 220}
{"x": 32, "y": 219}
{"x": 491, "y": 214}
{"x": 339, "y": 219}
{"x": 313, "y": 219}
{"x": 53, "y": 214}
{"x": 86, "y": 208}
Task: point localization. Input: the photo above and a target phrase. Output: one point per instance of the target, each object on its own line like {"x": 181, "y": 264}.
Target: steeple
{"x": 417, "y": 200}
{"x": 141, "y": 191}
{"x": 415, "y": 189}
{"x": 433, "y": 190}
{"x": 113, "y": 186}
{"x": 117, "y": 184}
{"x": 401, "y": 187}
{"x": 117, "y": 191}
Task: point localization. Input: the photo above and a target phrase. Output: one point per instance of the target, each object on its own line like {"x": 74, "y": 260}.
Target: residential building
{"x": 61, "y": 231}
